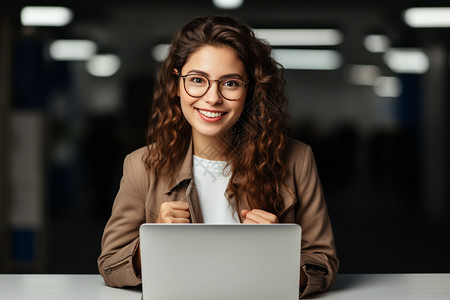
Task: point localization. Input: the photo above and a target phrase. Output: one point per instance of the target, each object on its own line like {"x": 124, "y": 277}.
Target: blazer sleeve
{"x": 318, "y": 258}
{"x": 121, "y": 235}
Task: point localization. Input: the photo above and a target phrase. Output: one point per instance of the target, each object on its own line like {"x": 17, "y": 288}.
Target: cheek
{"x": 187, "y": 115}
{"x": 239, "y": 110}
{"x": 183, "y": 105}
{"x": 185, "y": 100}
{"x": 186, "y": 106}
{"x": 184, "y": 97}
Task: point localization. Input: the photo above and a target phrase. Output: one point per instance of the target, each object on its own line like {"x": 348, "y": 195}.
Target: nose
{"x": 213, "y": 95}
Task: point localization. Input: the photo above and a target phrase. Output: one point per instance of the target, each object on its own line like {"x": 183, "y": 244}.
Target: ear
{"x": 177, "y": 73}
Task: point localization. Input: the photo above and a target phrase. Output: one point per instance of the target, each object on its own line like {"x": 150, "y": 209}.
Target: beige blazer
{"x": 141, "y": 194}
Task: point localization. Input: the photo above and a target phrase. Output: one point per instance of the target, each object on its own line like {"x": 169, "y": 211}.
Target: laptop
{"x": 218, "y": 261}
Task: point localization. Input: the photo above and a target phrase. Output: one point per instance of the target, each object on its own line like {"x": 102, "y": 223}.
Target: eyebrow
{"x": 236, "y": 75}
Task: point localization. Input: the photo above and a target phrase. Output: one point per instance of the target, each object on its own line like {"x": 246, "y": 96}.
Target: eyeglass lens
{"x": 230, "y": 88}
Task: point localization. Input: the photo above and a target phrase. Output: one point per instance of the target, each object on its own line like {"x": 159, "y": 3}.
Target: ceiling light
{"x": 376, "y": 43}
{"x": 103, "y": 65}
{"x": 300, "y": 37}
{"x": 228, "y": 4}
{"x": 407, "y": 60}
{"x": 159, "y": 52}
{"x": 302, "y": 59}
{"x": 363, "y": 74}
{"x": 45, "y": 16}
{"x": 72, "y": 49}
{"x": 386, "y": 86}
{"x": 427, "y": 17}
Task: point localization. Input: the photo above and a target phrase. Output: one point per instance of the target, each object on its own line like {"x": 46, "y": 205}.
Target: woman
{"x": 218, "y": 152}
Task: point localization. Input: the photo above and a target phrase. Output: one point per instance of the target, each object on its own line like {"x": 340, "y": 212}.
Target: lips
{"x": 210, "y": 114}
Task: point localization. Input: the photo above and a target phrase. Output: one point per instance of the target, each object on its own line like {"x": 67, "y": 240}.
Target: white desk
{"x": 357, "y": 286}
{"x": 61, "y": 287}
{"x": 389, "y": 286}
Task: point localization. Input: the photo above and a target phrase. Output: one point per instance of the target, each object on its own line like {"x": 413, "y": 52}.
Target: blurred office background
{"x": 368, "y": 84}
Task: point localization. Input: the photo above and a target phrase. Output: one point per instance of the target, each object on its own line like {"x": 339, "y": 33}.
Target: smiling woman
{"x": 208, "y": 111}
{"x": 218, "y": 152}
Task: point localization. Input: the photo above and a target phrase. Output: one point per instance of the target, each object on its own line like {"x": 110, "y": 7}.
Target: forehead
{"x": 215, "y": 60}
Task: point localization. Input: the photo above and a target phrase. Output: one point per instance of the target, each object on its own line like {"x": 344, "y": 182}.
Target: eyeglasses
{"x": 230, "y": 88}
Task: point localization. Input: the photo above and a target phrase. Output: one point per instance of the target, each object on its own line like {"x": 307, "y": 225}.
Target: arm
{"x": 318, "y": 258}
{"x": 120, "y": 242}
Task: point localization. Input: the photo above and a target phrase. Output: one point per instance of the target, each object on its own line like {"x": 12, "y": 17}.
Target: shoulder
{"x": 135, "y": 173}
{"x": 138, "y": 154}
{"x": 296, "y": 150}
{"x": 134, "y": 162}
{"x": 137, "y": 157}
{"x": 299, "y": 158}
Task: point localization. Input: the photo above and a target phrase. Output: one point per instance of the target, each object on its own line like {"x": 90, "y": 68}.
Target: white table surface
{"x": 389, "y": 286}
{"x": 61, "y": 287}
{"x": 354, "y": 286}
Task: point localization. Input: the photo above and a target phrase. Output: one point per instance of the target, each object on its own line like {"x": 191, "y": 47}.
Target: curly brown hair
{"x": 257, "y": 140}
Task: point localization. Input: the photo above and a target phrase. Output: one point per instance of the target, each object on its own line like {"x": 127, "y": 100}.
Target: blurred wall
{"x": 64, "y": 133}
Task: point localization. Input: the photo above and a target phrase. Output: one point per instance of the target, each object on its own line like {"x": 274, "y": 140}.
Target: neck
{"x": 210, "y": 148}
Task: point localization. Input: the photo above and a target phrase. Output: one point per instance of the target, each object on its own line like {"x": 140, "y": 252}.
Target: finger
{"x": 183, "y": 205}
{"x": 176, "y": 213}
{"x": 262, "y": 217}
{"x": 174, "y": 205}
{"x": 244, "y": 213}
{"x": 179, "y": 220}
{"x": 172, "y": 210}
{"x": 170, "y": 220}
{"x": 265, "y": 215}
{"x": 173, "y": 220}
{"x": 249, "y": 221}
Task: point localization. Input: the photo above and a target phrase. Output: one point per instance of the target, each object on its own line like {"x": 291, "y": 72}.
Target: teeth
{"x": 210, "y": 114}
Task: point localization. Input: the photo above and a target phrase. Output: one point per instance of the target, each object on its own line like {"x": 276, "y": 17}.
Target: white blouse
{"x": 211, "y": 184}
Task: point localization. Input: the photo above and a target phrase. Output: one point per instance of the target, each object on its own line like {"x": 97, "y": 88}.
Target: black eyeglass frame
{"x": 209, "y": 85}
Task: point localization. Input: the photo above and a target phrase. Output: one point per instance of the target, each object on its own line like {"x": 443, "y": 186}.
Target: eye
{"x": 196, "y": 79}
{"x": 231, "y": 83}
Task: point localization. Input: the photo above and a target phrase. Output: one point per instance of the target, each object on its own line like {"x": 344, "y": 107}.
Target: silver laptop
{"x": 233, "y": 261}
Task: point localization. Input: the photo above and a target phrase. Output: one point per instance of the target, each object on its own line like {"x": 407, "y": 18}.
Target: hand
{"x": 258, "y": 216}
{"x": 174, "y": 212}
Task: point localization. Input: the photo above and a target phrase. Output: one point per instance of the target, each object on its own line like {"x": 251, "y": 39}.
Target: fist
{"x": 258, "y": 216}
{"x": 174, "y": 212}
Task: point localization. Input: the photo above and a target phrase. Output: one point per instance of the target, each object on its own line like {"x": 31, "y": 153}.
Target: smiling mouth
{"x": 211, "y": 114}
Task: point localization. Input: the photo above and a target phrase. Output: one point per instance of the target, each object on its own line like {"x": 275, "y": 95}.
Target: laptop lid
{"x": 212, "y": 261}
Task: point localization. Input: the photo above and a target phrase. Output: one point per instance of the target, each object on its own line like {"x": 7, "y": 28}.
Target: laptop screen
{"x": 212, "y": 261}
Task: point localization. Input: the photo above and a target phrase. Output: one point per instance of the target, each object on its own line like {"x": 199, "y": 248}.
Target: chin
{"x": 211, "y": 134}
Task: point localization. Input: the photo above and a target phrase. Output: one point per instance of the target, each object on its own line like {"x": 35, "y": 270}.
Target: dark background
{"x": 383, "y": 161}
